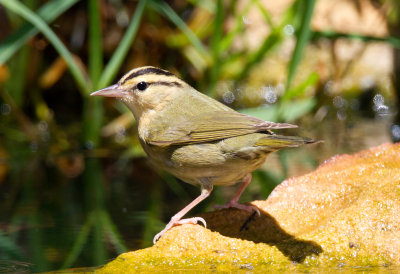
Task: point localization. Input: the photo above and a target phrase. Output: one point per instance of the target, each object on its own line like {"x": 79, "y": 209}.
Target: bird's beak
{"x": 111, "y": 91}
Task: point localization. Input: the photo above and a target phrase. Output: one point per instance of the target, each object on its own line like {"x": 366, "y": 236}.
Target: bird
{"x": 196, "y": 138}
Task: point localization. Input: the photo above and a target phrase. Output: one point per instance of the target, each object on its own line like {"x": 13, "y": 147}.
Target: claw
{"x": 158, "y": 236}
{"x": 173, "y": 223}
{"x": 201, "y": 220}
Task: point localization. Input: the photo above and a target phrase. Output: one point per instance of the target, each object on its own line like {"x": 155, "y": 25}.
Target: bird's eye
{"x": 141, "y": 86}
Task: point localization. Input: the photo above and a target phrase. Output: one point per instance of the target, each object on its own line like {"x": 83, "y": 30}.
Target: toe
{"x": 193, "y": 221}
{"x": 173, "y": 223}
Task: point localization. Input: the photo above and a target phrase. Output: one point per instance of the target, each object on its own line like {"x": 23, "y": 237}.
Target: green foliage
{"x": 205, "y": 53}
{"x": 304, "y": 32}
{"x": 18, "y": 38}
{"x": 122, "y": 50}
{"x": 10, "y": 249}
{"x": 41, "y": 25}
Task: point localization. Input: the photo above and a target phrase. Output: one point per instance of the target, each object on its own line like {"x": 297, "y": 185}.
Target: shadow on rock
{"x": 260, "y": 229}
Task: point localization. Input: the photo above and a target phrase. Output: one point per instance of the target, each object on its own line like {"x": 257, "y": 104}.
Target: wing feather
{"x": 208, "y": 127}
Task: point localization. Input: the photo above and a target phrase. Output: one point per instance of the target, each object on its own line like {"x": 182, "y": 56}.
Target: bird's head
{"x": 145, "y": 89}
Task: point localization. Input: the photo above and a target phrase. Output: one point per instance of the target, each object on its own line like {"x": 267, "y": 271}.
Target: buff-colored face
{"x": 145, "y": 89}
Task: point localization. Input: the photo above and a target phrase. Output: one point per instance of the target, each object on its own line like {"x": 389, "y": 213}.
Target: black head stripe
{"x": 162, "y": 83}
{"x": 149, "y": 70}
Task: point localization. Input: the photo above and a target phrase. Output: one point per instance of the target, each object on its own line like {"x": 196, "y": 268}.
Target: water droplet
{"x": 89, "y": 145}
{"x": 228, "y": 97}
{"x": 379, "y": 100}
{"x": 288, "y": 29}
{"x": 42, "y": 125}
{"x": 381, "y": 110}
{"x": 339, "y": 102}
{"x": 246, "y": 20}
{"x": 33, "y": 146}
{"x": 5, "y": 109}
{"x": 396, "y": 132}
{"x": 379, "y": 105}
{"x": 270, "y": 94}
{"x": 122, "y": 18}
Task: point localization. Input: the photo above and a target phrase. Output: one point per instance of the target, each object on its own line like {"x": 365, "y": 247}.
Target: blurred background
{"x": 76, "y": 188}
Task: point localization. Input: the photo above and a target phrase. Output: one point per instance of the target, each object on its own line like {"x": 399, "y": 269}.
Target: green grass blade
{"x": 216, "y": 47}
{"x": 218, "y": 30}
{"x": 92, "y": 110}
{"x": 394, "y": 41}
{"x": 120, "y": 53}
{"x": 270, "y": 113}
{"x": 311, "y": 80}
{"x": 18, "y": 68}
{"x": 273, "y": 39}
{"x": 98, "y": 245}
{"x": 267, "y": 180}
{"x": 79, "y": 242}
{"x": 95, "y": 47}
{"x": 208, "y": 5}
{"x": 265, "y": 13}
{"x": 302, "y": 40}
{"x": 36, "y": 242}
{"x": 154, "y": 211}
{"x": 228, "y": 38}
{"x": 289, "y": 111}
{"x": 112, "y": 232}
{"x": 20, "y": 9}
{"x": 175, "y": 186}
{"x": 164, "y": 8}
{"x": 18, "y": 38}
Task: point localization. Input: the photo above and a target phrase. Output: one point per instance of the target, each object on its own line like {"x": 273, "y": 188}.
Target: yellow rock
{"x": 345, "y": 213}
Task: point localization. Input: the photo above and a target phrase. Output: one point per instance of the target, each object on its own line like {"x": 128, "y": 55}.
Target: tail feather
{"x": 280, "y": 141}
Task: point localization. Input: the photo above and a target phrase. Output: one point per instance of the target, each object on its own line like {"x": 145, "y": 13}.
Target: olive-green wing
{"x": 256, "y": 145}
{"x": 207, "y": 127}
{"x": 276, "y": 142}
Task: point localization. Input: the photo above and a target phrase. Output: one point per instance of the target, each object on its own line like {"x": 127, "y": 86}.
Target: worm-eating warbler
{"x": 196, "y": 138}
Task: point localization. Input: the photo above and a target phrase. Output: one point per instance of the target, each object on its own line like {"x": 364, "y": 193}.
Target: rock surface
{"x": 345, "y": 213}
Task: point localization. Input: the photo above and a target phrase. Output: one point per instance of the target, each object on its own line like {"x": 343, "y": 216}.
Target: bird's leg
{"x": 234, "y": 202}
{"x": 176, "y": 219}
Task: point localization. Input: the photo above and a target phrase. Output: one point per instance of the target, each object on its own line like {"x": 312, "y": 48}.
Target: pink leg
{"x": 176, "y": 219}
{"x": 234, "y": 201}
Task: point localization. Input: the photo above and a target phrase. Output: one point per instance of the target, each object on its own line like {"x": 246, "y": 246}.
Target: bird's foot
{"x": 235, "y": 204}
{"x": 173, "y": 223}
